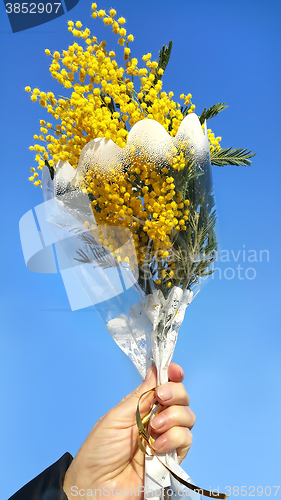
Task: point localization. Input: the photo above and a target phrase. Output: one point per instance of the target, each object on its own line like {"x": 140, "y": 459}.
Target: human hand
{"x": 110, "y": 457}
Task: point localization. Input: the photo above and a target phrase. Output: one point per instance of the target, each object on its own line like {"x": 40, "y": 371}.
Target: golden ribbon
{"x": 142, "y": 424}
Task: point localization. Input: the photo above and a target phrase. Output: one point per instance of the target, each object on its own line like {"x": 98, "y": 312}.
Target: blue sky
{"x": 60, "y": 370}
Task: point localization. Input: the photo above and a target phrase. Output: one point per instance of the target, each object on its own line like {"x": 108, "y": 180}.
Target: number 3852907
{"x": 32, "y": 8}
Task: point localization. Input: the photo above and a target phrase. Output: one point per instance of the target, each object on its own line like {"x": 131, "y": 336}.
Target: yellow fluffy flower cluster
{"x": 105, "y": 99}
{"x": 144, "y": 200}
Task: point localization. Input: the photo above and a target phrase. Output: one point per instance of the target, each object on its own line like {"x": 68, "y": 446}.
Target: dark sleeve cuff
{"x": 48, "y": 485}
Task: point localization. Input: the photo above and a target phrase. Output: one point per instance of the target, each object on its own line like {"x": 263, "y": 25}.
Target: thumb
{"x": 132, "y": 399}
{"x": 148, "y": 383}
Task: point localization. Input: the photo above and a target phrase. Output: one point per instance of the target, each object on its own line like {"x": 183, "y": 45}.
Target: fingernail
{"x": 164, "y": 393}
{"x": 158, "y": 422}
{"x": 181, "y": 372}
{"x": 149, "y": 373}
{"x": 159, "y": 443}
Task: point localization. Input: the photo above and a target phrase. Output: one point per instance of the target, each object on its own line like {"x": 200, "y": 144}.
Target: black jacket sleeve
{"x": 48, "y": 485}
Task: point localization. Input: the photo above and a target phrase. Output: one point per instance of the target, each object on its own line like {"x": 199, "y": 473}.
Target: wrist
{"x": 77, "y": 481}
{"x": 70, "y": 481}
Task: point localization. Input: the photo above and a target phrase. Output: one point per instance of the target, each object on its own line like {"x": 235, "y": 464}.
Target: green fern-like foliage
{"x": 229, "y": 156}
{"x": 226, "y": 156}
{"x": 207, "y": 114}
{"x": 164, "y": 57}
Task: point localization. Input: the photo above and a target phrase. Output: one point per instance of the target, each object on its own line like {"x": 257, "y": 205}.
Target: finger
{"x": 172, "y": 394}
{"x": 173, "y": 416}
{"x": 129, "y": 403}
{"x": 175, "y": 373}
{"x": 177, "y": 438}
